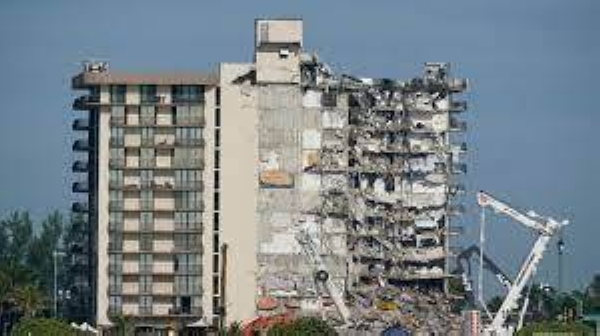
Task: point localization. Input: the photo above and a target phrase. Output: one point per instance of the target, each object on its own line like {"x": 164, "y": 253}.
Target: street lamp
{"x": 55, "y": 255}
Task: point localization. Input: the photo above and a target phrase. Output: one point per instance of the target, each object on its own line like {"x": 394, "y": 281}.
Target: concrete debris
{"x": 385, "y": 169}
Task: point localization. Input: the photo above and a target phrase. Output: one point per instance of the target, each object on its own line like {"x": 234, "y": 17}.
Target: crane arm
{"x": 485, "y": 200}
{"x": 322, "y": 273}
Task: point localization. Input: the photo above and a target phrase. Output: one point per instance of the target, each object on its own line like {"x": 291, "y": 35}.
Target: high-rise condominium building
{"x": 196, "y": 185}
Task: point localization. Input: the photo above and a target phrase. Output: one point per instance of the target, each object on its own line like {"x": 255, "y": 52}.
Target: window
{"x": 117, "y": 113}
{"x": 145, "y": 305}
{"x": 146, "y": 199}
{"x": 114, "y": 283}
{"x": 115, "y": 242}
{"x": 218, "y": 117}
{"x": 187, "y": 93}
{"x": 147, "y": 158}
{"x": 116, "y": 221}
{"x": 217, "y": 159}
{"x": 148, "y": 94}
{"x": 115, "y": 263}
{"x": 146, "y": 241}
{"x": 218, "y": 137}
{"x": 147, "y": 136}
{"x": 145, "y": 263}
{"x": 146, "y": 221}
{"x": 145, "y": 284}
{"x": 217, "y": 201}
{"x": 148, "y": 115}
{"x": 117, "y": 94}
{"x": 146, "y": 177}
{"x": 217, "y": 181}
{"x": 114, "y": 304}
{"x": 218, "y": 96}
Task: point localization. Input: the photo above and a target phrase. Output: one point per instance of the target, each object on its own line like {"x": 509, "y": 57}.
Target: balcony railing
{"x": 117, "y": 120}
{"x": 80, "y": 187}
{"x": 189, "y": 142}
{"x": 147, "y": 120}
{"x": 116, "y": 162}
{"x": 147, "y": 141}
{"x": 81, "y": 145}
{"x": 148, "y": 163}
{"x": 190, "y": 121}
{"x": 116, "y": 206}
{"x": 189, "y": 269}
{"x": 84, "y": 102}
{"x": 81, "y": 124}
{"x": 80, "y": 167}
{"x": 189, "y": 185}
{"x": 188, "y": 163}
{"x": 117, "y": 141}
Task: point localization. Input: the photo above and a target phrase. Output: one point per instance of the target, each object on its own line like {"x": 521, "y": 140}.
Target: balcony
{"x": 116, "y": 206}
{"x": 80, "y": 167}
{"x": 115, "y": 184}
{"x": 189, "y": 142}
{"x": 190, "y": 164}
{"x": 151, "y": 99}
{"x": 81, "y": 124}
{"x": 190, "y": 121}
{"x": 85, "y": 102}
{"x": 116, "y": 163}
{"x": 147, "y": 163}
{"x": 456, "y": 209}
{"x": 196, "y": 206}
{"x": 147, "y": 142}
{"x": 189, "y": 269}
{"x": 457, "y": 126}
{"x": 80, "y": 207}
{"x": 458, "y": 106}
{"x": 80, "y": 187}
{"x": 117, "y": 120}
{"x": 81, "y": 145}
{"x": 189, "y": 185}
{"x": 147, "y": 120}
{"x": 456, "y": 85}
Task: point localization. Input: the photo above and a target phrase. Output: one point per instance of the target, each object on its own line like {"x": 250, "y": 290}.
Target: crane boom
{"x": 545, "y": 228}
{"x": 322, "y": 273}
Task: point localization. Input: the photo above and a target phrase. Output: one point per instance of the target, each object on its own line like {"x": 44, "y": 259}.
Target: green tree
{"x": 18, "y": 232}
{"x": 30, "y": 300}
{"x": 41, "y": 250}
{"x": 42, "y": 326}
{"x": 303, "y": 326}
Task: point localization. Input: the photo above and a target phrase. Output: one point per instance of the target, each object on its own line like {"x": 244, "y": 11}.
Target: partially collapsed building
{"x": 370, "y": 168}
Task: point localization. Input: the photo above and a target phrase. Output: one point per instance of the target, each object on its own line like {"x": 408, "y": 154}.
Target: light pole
{"x": 55, "y": 255}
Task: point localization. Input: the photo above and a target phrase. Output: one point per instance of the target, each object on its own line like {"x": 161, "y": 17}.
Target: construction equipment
{"x": 546, "y": 228}
{"x": 463, "y": 268}
{"x": 322, "y": 273}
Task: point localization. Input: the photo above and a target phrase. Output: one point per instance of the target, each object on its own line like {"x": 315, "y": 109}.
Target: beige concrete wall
{"x": 278, "y": 31}
{"x": 133, "y": 95}
{"x": 239, "y": 185}
{"x": 207, "y": 216}
{"x": 103, "y": 217}
{"x": 272, "y": 68}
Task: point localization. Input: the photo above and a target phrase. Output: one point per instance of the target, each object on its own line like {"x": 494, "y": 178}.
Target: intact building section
{"x": 147, "y": 214}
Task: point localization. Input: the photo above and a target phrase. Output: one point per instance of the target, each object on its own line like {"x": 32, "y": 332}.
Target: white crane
{"x": 322, "y": 273}
{"x": 545, "y": 227}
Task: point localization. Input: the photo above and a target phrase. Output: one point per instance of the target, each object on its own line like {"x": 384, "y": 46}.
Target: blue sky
{"x": 533, "y": 67}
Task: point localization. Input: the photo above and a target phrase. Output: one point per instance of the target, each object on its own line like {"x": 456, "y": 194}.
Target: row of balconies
{"x": 156, "y": 310}
{"x": 115, "y": 205}
{"x": 157, "y": 246}
{"x": 119, "y": 163}
{"x": 88, "y": 101}
{"x": 152, "y": 142}
{"x": 145, "y": 121}
{"x": 170, "y": 227}
{"x": 152, "y": 185}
